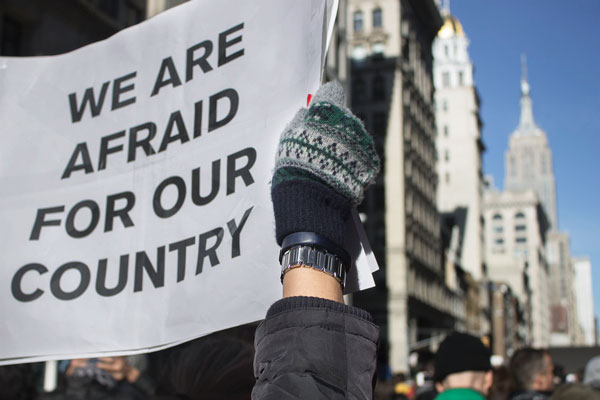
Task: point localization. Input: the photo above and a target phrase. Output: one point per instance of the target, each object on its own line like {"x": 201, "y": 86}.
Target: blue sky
{"x": 561, "y": 41}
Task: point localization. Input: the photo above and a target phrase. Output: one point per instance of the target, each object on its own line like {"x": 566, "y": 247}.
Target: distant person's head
{"x": 591, "y": 376}
{"x": 532, "y": 369}
{"x": 502, "y": 386}
{"x": 575, "y": 391}
{"x": 462, "y": 361}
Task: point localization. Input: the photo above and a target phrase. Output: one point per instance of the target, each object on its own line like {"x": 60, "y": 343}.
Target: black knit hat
{"x": 460, "y": 352}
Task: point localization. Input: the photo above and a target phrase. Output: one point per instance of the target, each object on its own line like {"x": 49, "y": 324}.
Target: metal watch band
{"x": 303, "y": 255}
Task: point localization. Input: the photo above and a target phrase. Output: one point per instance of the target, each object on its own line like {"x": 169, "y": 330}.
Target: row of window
{"x": 500, "y": 241}
{"x": 520, "y": 229}
{"x": 500, "y": 228}
{"x": 518, "y": 215}
{"x": 360, "y": 51}
{"x": 446, "y": 78}
{"x": 358, "y": 20}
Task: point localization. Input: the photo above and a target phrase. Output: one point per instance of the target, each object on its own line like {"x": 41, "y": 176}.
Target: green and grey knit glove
{"x": 329, "y": 142}
{"x": 325, "y": 160}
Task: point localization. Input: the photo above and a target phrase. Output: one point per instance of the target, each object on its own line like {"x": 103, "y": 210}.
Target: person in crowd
{"x": 575, "y": 391}
{"x": 462, "y": 368}
{"x": 533, "y": 374}
{"x": 311, "y": 345}
{"x": 502, "y": 385}
{"x": 120, "y": 378}
{"x": 591, "y": 375}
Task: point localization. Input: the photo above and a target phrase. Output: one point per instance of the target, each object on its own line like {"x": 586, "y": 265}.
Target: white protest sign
{"x": 134, "y": 178}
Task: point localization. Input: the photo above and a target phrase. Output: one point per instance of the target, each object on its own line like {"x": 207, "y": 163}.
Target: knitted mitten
{"x": 324, "y": 162}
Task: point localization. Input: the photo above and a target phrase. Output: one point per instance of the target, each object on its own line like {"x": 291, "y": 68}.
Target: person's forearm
{"x": 304, "y": 281}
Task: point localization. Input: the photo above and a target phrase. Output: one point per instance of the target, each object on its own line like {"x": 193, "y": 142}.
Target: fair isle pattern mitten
{"x": 330, "y": 144}
{"x": 324, "y": 162}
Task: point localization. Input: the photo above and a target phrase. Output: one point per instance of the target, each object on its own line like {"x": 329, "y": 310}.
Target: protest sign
{"x": 134, "y": 202}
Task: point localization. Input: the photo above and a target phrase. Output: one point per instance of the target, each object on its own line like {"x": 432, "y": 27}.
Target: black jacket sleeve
{"x": 310, "y": 348}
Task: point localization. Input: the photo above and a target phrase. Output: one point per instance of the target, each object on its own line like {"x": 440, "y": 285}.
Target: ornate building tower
{"x": 460, "y": 148}
{"x": 528, "y": 162}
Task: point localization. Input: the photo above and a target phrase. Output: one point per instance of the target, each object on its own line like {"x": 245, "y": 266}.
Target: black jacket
{"x": 310, "y": 348}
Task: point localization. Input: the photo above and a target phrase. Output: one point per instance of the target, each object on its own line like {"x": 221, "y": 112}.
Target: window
{"x": 447, "y": 177}
{"x": 378, "y": 92}
{"x": 444, "y": 105}
{"x": 447, "y": 155}
{"x": 498, "y": 229}
{"x": 446, "y": 130}
{"x": 359, "y": 53}
{"x": 521, "y": 240}
{"x": 461, "y": 78}
{"x": 378, "y": 48}
{"x": 520, "y": 228}
{"x": 497, "y": 217}
{"x": 499, "y": 241}
{"x": 446, "y": 50}
{"x": 519, "y": 215}
{"x": 358, "y": 21}
{"x": 446, "y": 79}
{"x": 377, "y": 18}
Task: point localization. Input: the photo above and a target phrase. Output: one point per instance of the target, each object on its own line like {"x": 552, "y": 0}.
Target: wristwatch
{"x": 307, "y": 249}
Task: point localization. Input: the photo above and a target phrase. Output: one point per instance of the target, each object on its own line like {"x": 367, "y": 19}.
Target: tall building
{"x": 528, "y": 161}
{"x": 459, "y": 149}
{"x": 392, "y": 91}
{"x": 563, "y": 311}
{"x": 515, "y": 235}
{"x": 32, "y": 28}
{"x": 584, "y": 300}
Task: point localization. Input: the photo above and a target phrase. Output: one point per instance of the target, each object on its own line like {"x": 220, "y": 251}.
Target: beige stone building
{"x": 563, "y": 310}
{"x": 460, "y": 147}
{"x": 584, "y": 299}
{"x": 515, "y": 232}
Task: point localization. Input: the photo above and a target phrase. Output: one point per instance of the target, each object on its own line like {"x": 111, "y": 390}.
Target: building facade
{"x": 390, "y": 43}
{"x": 563, "y": 311}
{"x": 516, "y": 227}
{"x": 584, "y": 299}
{"x": 460, "y": 148}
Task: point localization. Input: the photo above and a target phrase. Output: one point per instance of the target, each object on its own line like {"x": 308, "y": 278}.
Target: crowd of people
{"x": 462, "y": 370}
{"x": 310, "y": 345}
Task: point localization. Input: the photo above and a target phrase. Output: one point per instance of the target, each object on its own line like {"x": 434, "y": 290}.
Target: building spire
{"x": 526, "y": 124}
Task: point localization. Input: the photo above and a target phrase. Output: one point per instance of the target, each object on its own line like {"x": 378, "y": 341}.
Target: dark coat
{"x": 309, "y": 348}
